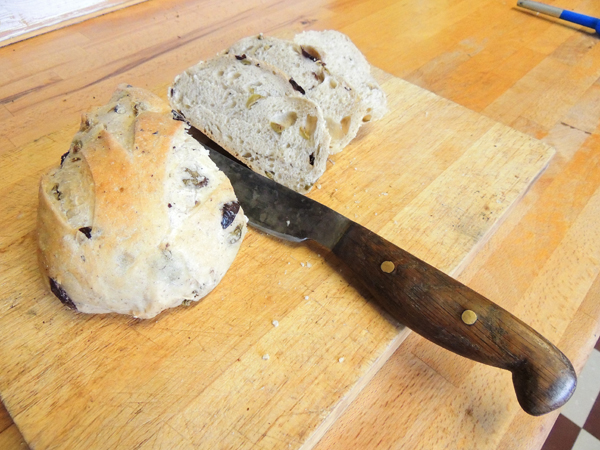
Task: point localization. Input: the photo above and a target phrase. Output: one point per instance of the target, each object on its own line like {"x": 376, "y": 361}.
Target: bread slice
{"x": 136, "y": 218}
{"x": 341, "y": 104}
{"x": 256, "y": 113}
{"x": 341, "y": 56}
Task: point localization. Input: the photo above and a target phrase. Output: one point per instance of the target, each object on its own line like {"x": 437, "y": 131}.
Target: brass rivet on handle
{"x": 469, "y": 317}
{"x": 387, "y": 266}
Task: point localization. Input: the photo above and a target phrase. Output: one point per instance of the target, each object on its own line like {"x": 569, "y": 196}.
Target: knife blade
{"x": 419, "y": 296}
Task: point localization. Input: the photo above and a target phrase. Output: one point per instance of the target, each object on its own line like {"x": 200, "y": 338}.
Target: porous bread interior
{"x": 251, "y": 109}
{"x": 342, "y": 107}
{"x": 342, "y": 56}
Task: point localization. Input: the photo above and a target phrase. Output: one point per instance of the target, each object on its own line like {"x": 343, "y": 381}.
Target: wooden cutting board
{"x": 278, "y": 350}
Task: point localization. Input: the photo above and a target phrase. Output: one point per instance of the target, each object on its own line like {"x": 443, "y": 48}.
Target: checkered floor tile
{"x": 578, "y": 425}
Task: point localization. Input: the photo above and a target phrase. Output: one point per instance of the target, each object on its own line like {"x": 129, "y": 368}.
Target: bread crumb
{"x": 308, "y": 264}
{"x": 306, "y": 297}
{"x": 275, "y": 323}
{"x": 302, "y": 264}
{"x": 318, "y": 186}
{"x": 266, "y": 356}
{"x": 342, "y": 359}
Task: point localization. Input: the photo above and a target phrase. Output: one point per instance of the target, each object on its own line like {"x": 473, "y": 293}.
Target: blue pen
{"x": 570, "y": 16}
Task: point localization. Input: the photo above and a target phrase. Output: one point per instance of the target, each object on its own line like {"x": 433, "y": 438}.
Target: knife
{"x": 418, "y": 295}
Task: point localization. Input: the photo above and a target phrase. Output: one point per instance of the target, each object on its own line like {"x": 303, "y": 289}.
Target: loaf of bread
{"x": 137, "y": 218}
{"x": 258, "y": 114}
{"x": 341, "y": 56}
{"x": 342, "y": 106}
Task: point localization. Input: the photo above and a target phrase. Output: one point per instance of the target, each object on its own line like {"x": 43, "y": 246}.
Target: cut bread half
{"x": 136, "y": 218}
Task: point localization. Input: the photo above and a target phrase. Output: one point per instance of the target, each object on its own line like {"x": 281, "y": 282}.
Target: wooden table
{"x": 534, "y": 74}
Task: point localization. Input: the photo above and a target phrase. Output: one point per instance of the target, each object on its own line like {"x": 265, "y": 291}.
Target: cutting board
{"x": 278, "y": 350}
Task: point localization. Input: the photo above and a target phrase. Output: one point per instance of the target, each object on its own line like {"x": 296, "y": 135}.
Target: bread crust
{"x": 131, "y": 221}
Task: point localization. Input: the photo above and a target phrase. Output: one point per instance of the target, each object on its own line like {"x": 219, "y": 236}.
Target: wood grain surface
{"x": 450, "y": 314}
{"x": 537, "y": 75}
{"x": 219, "y": 374}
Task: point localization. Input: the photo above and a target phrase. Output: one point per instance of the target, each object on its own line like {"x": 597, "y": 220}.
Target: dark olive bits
{"x": 62, "y": 158}
{"x": 55, "y": 192}
{"x": 196, "y": 180}
{"x": 60, "y": 293}
{"x": 87, "y": 231}
{"x": 230, "y": 210}
{"x": 308, "y": 55}
{"x": 178, "y": 116}
{"x": 297, "y": 87}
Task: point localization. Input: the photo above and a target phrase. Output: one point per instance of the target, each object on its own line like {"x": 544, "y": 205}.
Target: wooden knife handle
{"x": 451, "y": 315}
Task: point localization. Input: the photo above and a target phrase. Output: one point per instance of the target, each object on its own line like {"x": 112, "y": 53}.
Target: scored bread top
{"x": 136, "y": 218}
{"x": 340, "y": 102}
{"x": 256, "y": 112}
